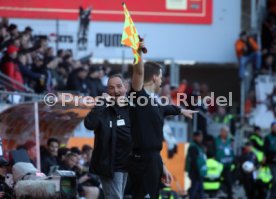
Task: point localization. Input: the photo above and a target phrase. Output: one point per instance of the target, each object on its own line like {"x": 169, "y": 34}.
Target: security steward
{"x": 212, "y": 181}
{"x": 225, "y": 155}
{"x": 258, "y": 143}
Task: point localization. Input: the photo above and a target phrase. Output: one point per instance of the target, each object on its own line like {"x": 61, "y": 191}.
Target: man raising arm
{"x": 145, "y": 165}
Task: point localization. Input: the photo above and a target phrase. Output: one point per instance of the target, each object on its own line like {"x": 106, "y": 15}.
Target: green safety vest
{"x": 259, "y": 140}
{"x": 212, "y": 179}
{"x": 259, "y": 154}
{"x": 264, "y": 174}
{"x": 224, "y": 152}
{"x": 200, "y": 161}
{"x": 167, "y": 193}
{"x": 225, "y": 120}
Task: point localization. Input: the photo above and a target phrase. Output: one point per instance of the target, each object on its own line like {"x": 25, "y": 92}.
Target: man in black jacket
{"x": 49, "y": 159}
{"x": 146, "y": 168}
{"x": 112, "y": 141}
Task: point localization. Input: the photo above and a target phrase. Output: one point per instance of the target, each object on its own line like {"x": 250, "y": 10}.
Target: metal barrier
{"x": 7, "y": 97}
{"x": 8, "y": 83}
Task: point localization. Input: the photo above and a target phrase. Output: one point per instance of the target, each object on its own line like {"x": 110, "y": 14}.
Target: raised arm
{"x": 175, "y": 110}
{"x": 138, "y": 72}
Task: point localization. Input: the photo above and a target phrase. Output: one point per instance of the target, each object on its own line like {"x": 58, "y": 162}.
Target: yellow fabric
{"x": 264, "y": 174}
{"x": 214, "y": 171}
{"x": 130, "y": 35}
{"x": 259, "y": 154}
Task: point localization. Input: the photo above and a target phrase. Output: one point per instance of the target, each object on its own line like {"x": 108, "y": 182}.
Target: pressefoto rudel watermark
{"x": 52, "y": 99}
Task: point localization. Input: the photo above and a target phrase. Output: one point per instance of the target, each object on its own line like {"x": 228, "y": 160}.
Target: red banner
{"x": 161, "y": 11}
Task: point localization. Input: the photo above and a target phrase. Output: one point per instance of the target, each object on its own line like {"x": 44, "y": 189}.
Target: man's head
{"x": 197, "y": 136}
{"x": 224, "y": 132}
{"x": 12, "y": 51}
{"x": 28, "y": 30}
{"x": 81, "y": 73}
{"x": 94, "y": 72}
{"x": 153, "y": 75}
{"x": 86, "y": 152}
{"x": 13, "y": 29}
{"x": 115, "y": 86}
{"x": 273, "y": 127}
{"x": 30, "y": 147}
{"x": 71, "y": 160}
{"x": 53, "y": 145}
{"x": 243, "y": 35}
{"x": 221, "y": 110}
{"x": 248, "y": 147}
{"x": 257, "y": 130}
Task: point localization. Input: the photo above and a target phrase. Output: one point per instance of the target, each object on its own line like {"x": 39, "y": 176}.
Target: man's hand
{"x": 167, "y": 176}
{"x": 106, "y": 96}
{"x": 141, "y": 46}
{"x": 138, "y": 70}
{"x": 188, "y": 113}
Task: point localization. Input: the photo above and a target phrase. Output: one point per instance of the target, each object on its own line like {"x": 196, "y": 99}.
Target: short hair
{"x": 50, "y": 140}
{"x": 243, "y": 33}
{"x": 151, "y": 68}
{"x": 257, "y": 128}
{"x": 71, "y": 154}
{"x": 75, "y": 150}
{"x": 62, "y": 151}
{"x": 197, "y": 133}
{"x": 86, "y": 148}
{"x": 226, "y": 128}
{"x": 59, "y": 52}
{"x": 118, "y": 75}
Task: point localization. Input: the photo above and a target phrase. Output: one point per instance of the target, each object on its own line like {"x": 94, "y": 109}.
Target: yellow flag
{"x": 130, "y": 35}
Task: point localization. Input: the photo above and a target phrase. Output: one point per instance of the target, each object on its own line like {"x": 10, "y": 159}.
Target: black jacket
{"x": 99, "y": 120}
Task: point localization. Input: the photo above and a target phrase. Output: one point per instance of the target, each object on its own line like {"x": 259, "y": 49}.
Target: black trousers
{"x": 248, "y": 184}
{"x": 227, "y": 181}
{"x": 145, "y": 172}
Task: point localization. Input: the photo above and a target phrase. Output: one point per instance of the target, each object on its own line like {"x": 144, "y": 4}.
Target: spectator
{"x": 86, "y": 153}
{"x": 222, "y": 117}
{"x": 30, "y": 147}
{"x": 67, "y": 63}
{"x": 94, "y": 82}
{"x": 4, "y": 36}
{"x": 13, "y": 30}
{"x": 180, "y": 90}
{"x": 11, "y": 69}
{"x": 40, "y": 68}
{"x": 50, "y": 158}
{"x": 247, "y": 50}
{"x": 25, "y": 70}
{"x": 76, "y": 81}
{"x": 62, "y": 152}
